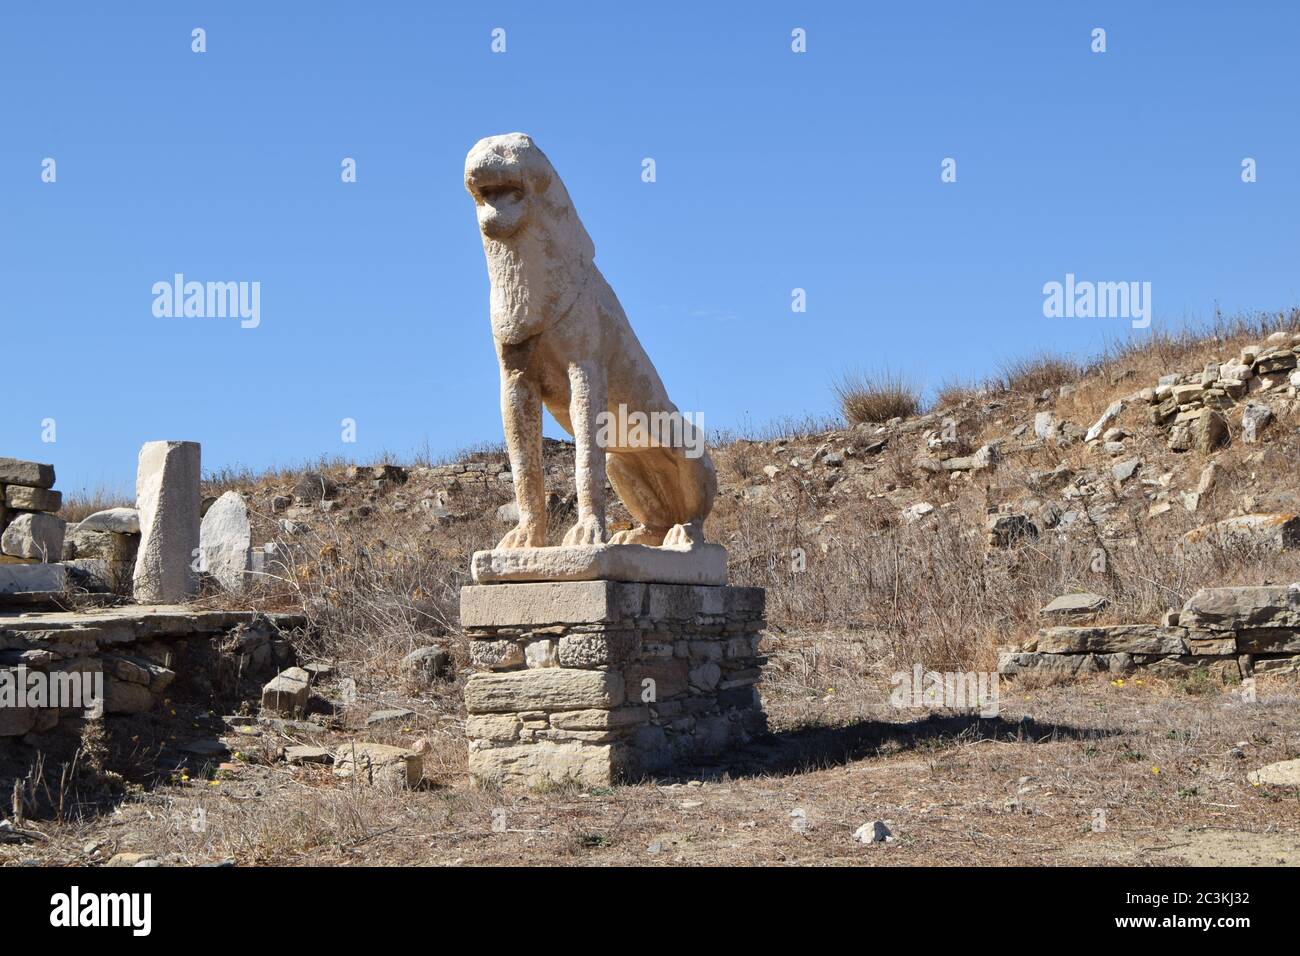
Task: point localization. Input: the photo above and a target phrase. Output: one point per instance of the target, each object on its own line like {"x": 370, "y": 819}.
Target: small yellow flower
{"x": 1155, "y": 770}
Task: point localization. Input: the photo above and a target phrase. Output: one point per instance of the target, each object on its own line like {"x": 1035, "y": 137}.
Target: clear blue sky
{"x": 775, "y": 170}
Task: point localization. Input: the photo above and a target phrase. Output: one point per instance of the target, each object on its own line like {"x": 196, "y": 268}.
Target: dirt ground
{"x": 1101, "y": 772}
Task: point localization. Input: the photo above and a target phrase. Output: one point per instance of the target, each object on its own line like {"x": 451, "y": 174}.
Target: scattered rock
{"x": 379, "y": 764}
{"x": 1074, "y": 605}
{"x": 874, "y": 832}
{"x": 427, "y": 663}
{"x": 389, "y": 715}
{"x": 286, "y": 694}
{"x": 1254, "y": 419}
{"x": 1283, "y": 774}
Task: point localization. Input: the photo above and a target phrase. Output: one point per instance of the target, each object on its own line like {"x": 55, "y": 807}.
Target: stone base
{"x": 596, "y": 682}
{"x": 702, "y": 563}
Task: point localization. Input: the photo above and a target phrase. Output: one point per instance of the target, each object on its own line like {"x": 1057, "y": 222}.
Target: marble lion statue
{"x": 563, "y": 341}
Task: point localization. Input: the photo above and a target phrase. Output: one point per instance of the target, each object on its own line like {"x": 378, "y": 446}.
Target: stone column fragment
{"x": 167, "y": 496}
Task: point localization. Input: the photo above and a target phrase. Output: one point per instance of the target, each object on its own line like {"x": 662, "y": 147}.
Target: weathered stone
{"x": 1019, "y": 662}
{"x": 34, "y": 535}
{"x": 495, "y": 727}
{"x": 28, "y": 473}
{"x": 548, "y": 762}
{"x": 705, "y": 676}
{"x": 1074, "y": 605}
{"x": 541, "y": 653}
{"x": 1270, "y": 606}
{"x": 553, "y": 602}
{"x": 702, "y": 563}
{"x": 379, "y": 765}
{"x": 1268, "y": 640}
{"x": 1008, "y": 530}
{"x": 33, "y": 578}
{"x": 428, "y": 663}
{"x": 226, "y": 541}
{"x": 167, "y": 494}
{"x": 287, "y": 694}
{"x": 630, "y": 716}
{"x": 1254, "y": 419}
{"x": 1045, "y": 425}
{"x": 1107, "y": 417}
{"x": 1270, "y": 532}
{"x": 1122, "y": 471}
{"x": 1213, "y": 646}
{"x": 302, "y": 753}
{"x": 1210, "y": 432}
{"x": 1127, "y": 638}
{"x": 497, "y": 654}
{"x": 651, "y": 681}
{"x": 117, "y": 520}
{"x": 125, "y": 697}
{"x": 598, "y": 648}
{"x": 547, "y": 689}
{"x": 32, "y": 499}
{"x": 1285, "y": 773}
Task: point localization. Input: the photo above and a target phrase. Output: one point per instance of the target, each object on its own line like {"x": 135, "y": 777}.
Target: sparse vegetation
{"x": 875, "y": 397}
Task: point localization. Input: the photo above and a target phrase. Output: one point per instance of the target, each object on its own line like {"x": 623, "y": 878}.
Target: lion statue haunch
{"x": 564, "y": 342}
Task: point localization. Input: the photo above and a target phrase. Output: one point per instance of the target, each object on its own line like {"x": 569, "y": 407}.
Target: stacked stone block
{"x": 29, "y": 529}
{"x": 1234, "y": 632}
{"x": 601, "y": 681}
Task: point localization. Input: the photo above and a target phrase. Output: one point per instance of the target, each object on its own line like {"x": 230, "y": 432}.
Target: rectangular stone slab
{"x": 18, "y": 578}
{"x": 546, "y": 688}
{"x": 699, "y": 564}
{"x": 29, "y": 473}
{"x": 557, "y": 602}
{"x": 1228, "y": 609}
{"x": 1119, "y": 638}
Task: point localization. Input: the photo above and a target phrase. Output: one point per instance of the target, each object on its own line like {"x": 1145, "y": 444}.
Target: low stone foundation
{"x": 600, "y": 681}
{"x": 1232, "y": 632}
{"x": 137, "y": 656}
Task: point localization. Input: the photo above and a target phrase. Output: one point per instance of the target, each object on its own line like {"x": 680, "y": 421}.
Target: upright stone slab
{"x": 167, "y": 495}
{"x": 597, "y": 682}
{"x": 226, "y": 541}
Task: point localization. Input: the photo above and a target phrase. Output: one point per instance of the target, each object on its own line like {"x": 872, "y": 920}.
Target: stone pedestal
{"x": 597, "y": 682}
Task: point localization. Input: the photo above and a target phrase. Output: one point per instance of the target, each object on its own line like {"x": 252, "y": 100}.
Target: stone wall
{"x": 601, "y": 681}
{"x": 143, "y": 656}
{"x": 1235, "y": 632}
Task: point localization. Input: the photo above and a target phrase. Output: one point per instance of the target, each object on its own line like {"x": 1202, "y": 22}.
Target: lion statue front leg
{"x": 586, "y": 401}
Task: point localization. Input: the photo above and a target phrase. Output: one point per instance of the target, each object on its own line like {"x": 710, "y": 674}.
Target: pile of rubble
{"x": 1192, "y": 407}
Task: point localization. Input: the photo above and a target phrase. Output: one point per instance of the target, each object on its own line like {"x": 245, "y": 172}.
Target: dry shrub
{"x": 82, "y": 504}
{"x": 1038, "y": 373}
{"x": 952, "y": 394}
{"x": 875, "y": 397}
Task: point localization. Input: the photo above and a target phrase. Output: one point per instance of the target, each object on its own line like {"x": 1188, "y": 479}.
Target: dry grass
{"x": 82, "y": 504}
{"x": 1037, "y": 374}
{"x": 875, "y": 397}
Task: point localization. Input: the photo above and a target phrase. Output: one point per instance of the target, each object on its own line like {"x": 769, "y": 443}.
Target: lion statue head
{"x": 539, "y": 255}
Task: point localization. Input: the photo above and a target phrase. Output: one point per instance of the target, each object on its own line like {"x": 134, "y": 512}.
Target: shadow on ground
{"x": 816, "y": 748}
